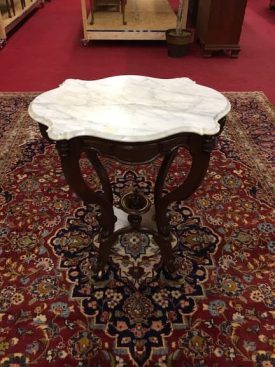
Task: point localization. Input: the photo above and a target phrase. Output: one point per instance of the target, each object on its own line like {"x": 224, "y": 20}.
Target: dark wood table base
{"x": 135, "y": 204}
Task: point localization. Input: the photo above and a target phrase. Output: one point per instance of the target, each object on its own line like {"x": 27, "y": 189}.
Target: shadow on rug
{"x": 218, "y": 311}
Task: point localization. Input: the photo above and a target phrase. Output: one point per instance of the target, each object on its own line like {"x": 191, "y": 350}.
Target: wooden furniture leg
{"x": 92, "y": 6}
{"x": 8, "y": 8}
{"x": 69, "y": 152}
{"x": 10, "y": 5}
{"x": 13, "y": 6}
{"x": 123, "y": 4}
{"x": 23, "y": 3}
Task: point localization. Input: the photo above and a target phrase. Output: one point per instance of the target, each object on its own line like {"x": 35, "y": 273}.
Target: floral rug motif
{"x": 217, "y": 310}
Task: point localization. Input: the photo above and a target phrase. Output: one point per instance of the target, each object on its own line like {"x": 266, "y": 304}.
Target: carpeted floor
{"x": 217, "y": 310}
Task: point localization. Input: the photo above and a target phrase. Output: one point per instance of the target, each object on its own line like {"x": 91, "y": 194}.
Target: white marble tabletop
{"x": 129, "y": 108}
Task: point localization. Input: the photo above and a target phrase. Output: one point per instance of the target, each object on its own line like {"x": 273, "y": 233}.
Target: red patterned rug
{"x": 217, "y": 311}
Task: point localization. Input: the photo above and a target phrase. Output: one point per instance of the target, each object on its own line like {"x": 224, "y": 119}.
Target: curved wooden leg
{"x": 105, "y": 242}
{"x": 163, "y": 227}
{"x": 69, "y": 155}
{"x": 102, "y": 174}
{"x": 69, "y": 152}
{"x": 199, "y": 148}
{"x": 163, "y": 239}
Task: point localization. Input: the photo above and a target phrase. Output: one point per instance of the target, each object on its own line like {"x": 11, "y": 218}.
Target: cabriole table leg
{"x": 199, "y": 148}
{"x": 70, "y": 152}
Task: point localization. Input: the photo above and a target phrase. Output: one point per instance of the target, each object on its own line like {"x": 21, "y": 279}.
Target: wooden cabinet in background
{"x": 219, "y": 25}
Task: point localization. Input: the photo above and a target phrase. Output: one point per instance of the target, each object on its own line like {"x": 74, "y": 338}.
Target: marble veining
{"x": 129, "y": 108}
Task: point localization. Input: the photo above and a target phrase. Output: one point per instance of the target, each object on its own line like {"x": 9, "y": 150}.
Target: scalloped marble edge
{"x": 52, "y": 116}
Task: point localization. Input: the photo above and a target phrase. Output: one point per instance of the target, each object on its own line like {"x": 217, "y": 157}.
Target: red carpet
{"x": 216, "y": 310}
{"x": 46, "y": 49}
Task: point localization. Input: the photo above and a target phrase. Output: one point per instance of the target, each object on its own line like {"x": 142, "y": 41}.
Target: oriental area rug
{"x": 217, "y": 310}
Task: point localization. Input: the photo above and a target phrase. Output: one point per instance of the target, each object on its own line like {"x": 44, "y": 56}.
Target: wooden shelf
{"x": 8, "y": 23}
{"x": 145, "y": 20}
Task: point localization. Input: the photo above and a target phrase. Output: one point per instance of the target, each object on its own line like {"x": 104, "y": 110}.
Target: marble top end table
{"x": 133, "y": 119}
